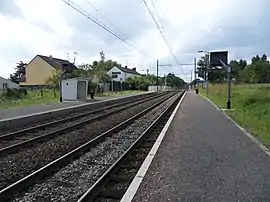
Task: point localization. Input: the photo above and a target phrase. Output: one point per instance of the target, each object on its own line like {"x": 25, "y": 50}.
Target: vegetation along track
{"x": 23, "y": 138}
{"x": 92, "y": 160}
{"x": 17, "y": 165}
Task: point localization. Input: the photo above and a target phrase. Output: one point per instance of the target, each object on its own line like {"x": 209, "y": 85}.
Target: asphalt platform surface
{"x": 205, "y": 157}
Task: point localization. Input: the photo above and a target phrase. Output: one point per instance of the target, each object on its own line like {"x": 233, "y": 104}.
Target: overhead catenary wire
{"x": 107, "y": 19}
{"x": 162, "y": 35}
{"x": 96, "y": 21}
{"x": 158, "y": 17}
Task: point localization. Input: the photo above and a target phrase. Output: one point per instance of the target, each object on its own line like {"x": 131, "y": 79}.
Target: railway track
{"x": 14, "y": 141}
{"x": 95, "y": 161}
{"x": 113, "y": 184}
{"x": 73, "y": 115}
{"x": 21, "y": 163}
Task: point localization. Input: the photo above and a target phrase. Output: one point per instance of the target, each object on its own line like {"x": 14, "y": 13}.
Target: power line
{"x": 158, "y": 17}
{"x": 164, "y": 38}
{"x": 90, "y": 4}
{"x": 95, "y": 20}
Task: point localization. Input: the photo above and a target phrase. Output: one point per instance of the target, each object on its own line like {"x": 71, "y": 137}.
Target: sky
{"x": 51, "y": 27}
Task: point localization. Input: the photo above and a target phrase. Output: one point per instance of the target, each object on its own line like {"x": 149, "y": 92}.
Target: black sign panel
{"x": 215, "y": 58}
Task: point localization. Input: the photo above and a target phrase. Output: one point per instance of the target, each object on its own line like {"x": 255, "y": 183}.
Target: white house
{"x": 5, "y": 83}
{"x": 122, "y": 73}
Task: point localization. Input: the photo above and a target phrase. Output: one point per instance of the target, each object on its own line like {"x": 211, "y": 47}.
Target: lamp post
{"x": 207, "y": 55}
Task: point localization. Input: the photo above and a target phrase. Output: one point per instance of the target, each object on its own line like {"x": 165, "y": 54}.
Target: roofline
{"x": 77, "y": 78}
{"x": 32, "y": 61}
{"x": 8, "y": 80}
{"x": 137, "y": 73}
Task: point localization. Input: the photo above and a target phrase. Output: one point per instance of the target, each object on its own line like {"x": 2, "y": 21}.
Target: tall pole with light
{"x": 207, "y": 57}
{"x": 219, "y": 59}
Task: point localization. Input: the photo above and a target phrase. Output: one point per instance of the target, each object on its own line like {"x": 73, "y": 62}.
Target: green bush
{"x": 15, "y": 93}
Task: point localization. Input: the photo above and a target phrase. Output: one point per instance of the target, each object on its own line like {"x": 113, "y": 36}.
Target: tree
{"x": 201, "y": 67}
{"x": 144, "y": 81}
{"x": 215, "y": 74}
{"x": 54, "y": 80}
{"x": 19, "y": 74}
{"x": 259, "y": 70}
{"x": 174, "y": 81}
{"x": 100, "y": 68}
{"x": 237, "y": 67}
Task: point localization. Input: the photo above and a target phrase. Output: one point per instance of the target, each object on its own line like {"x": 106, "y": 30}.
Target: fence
{"x": 160, "y": 88}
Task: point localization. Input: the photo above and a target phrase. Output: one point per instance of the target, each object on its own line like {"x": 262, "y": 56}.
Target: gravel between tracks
{"x": 70, "y": 182}
{"x": 16, "y": 166}
{"x": 39, "y": 132}
{"x": 64, "y": 116}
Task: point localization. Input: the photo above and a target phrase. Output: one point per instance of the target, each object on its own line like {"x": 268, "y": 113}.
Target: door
{"x": 81, "y": 90}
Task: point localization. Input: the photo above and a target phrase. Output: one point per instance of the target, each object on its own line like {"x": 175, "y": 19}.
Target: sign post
{"x": 121, "y": 84}
{"x": 221, "y": 59}
{"x": 228, "y": 82}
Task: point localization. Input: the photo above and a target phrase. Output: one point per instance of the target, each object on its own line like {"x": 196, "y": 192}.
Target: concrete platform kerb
{"x": 131, "y": 191}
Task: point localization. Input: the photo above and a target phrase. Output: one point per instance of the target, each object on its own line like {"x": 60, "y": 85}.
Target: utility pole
{"x": 147, "y": 72}
{"x": 190, "y": 80}
{"x": 207, "y": 70}
{"x": 195, "y": 72}
{"x": 157, "y": 75}
{"x": 165, "y": 81}
{"x": 158, "y": 65}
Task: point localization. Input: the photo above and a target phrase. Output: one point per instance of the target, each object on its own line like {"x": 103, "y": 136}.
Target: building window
{"x": 116, "y": 72}
{"x": 114, "y": 76}
{"x": 5, "y": 85}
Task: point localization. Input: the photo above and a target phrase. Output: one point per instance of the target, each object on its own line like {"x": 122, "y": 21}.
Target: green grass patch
{"x": 33, "y": 98}
{"x": 251, "y": 104}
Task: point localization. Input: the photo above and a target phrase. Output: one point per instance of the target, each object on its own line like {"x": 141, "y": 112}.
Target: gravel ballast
{"x": 51, "y": 128}
{"x": 17, "y": 166}
{"x": 70, "y": 182}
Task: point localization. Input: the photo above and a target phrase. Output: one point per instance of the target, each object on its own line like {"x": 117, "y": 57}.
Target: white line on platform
{"x": 132, "y": 189}
{"x": 254, "y": 139}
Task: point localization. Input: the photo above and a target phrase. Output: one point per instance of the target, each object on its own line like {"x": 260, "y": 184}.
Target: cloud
{"x": 51, "y": 27}
{"x": 9, "y": 7}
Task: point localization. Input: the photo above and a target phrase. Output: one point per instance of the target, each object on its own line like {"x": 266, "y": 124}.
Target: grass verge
{"x": 251, "y": 104}
{"x": 33, "y": 98}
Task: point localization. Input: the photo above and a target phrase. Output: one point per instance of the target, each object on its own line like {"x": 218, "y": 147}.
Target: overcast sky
{"x": 50, "y": 27}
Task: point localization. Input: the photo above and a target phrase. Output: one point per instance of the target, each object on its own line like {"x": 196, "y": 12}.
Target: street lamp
{"x": 207, "y": 54}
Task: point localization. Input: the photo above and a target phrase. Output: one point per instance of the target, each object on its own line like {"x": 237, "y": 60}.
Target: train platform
{"x": 26, "y": 111}
{"x": 204, "y": 156}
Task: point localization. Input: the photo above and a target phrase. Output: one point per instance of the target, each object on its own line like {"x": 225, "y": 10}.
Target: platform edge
{"x": 134, "y": 186}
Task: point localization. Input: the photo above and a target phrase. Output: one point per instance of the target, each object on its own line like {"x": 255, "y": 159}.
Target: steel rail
{"x": 93, "y": 192}
{"x": 13, "y": 189}
{"x": 44, "y": 125}
{"x": 15, "y": 147}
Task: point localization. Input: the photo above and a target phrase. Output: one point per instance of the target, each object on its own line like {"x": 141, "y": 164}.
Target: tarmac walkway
{"x": 204, "y": 157}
